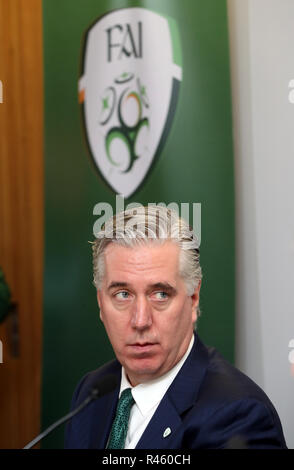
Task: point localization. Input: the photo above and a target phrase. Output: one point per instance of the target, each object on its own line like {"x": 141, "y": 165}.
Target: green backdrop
{"x": 196, "y": 165}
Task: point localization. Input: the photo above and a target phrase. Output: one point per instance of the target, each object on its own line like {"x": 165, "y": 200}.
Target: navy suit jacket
{"x": 209, "y": 405}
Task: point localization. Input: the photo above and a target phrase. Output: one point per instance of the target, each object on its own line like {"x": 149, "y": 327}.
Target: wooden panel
{"x": 21, "y": 214}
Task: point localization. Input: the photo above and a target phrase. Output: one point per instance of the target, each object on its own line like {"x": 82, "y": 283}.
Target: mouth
{"x": 143, "y": 347}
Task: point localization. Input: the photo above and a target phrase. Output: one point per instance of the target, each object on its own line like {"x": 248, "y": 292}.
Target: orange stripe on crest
{"x": 82, "y": 96}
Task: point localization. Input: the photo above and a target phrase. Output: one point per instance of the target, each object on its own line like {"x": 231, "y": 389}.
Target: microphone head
{"x": 103, "y": 386}
{"x": 237, "y": 442}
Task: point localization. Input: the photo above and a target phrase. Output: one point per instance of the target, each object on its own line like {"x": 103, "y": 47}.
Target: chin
{"x": 144, "y": 371}
{"x": 142, "y": 365}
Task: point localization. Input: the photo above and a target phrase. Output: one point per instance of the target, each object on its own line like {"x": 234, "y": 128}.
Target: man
{"x": 172, "y": 391}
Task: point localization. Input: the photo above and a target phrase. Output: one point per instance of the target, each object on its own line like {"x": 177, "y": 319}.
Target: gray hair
{"x": 150, "y": 224}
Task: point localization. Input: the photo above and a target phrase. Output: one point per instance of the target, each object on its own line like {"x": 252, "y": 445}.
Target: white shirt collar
{"x": 147, "y": 395}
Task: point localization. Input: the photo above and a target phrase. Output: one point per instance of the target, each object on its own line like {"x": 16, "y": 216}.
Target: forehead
{"x": 150, "y": 263}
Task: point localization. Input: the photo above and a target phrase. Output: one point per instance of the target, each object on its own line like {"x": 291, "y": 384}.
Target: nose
{"x": 141, "y": 315}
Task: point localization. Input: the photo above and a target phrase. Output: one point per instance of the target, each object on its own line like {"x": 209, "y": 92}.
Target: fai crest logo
{"x": 128, "y": 90}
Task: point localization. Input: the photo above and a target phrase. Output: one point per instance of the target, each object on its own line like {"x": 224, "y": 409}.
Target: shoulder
{"x": 223, "y": 381}
{"x": 92, "y": 379}
{"x": 229, "y": 404}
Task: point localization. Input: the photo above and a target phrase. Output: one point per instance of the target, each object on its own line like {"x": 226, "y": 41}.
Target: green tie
{"x": 119, "y": 428}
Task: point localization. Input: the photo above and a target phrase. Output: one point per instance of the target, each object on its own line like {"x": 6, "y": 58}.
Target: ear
{"x": 99, "y": 303}
{"x": 195, "y": 300}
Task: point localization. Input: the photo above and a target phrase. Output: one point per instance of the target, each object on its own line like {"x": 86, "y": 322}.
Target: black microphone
{"x": 237, "y": 442}
{"x": 100, "y": 388}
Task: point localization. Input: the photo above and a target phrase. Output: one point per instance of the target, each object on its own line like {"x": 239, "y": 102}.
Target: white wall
{"x": 262, "y": 65}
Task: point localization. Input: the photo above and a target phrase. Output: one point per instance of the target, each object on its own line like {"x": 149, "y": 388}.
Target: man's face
{"x": 146, "y": 311}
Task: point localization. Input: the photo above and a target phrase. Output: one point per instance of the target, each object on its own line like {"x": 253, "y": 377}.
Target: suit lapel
{"x": 180, "y": 396}
{"x": 153, "y": 436}
{"x": 102, "y": 417}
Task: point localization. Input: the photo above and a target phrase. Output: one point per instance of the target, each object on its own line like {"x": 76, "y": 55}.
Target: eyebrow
{"x": 158, "y": 285}
{"x": 117, "y": 284}
{"x": 163, "y": 286}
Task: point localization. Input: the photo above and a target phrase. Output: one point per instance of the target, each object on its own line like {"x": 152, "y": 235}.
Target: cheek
{"x": 181, "y": 318}
{"x": 105, "y": 307}
{"x": 169, "y": 323}
{"x": 115, "y": 323}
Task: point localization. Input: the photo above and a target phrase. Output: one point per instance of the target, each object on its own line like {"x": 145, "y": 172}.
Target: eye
{"x": 161, "y": 295}
{"x": 122, "y": 295}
